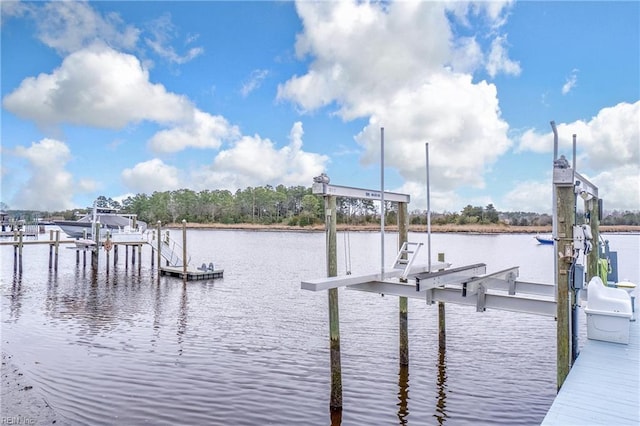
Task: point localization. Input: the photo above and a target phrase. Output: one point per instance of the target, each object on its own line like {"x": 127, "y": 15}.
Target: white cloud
{"x": 100, "y": 87}
{"x": 50, "y": 186}
{"x": 619, "y": 187}
{"x": 608, "y": 152}
{"x": 460, "y": 120}
{"x": 150, "y": 176}
{"x": 162, "y": 32}
{"x": 400, "y": 65}
{"x": 70, "y": 26}
{"x": 529, "y": 196}
{"x": 255, "y": 81}
{"x": 202, "y": 131}
{"x": 498, "y": 60}
{"x": 254, "y": 161}
{"x": 608, "y": 140}
{"x": 571, "y": 82}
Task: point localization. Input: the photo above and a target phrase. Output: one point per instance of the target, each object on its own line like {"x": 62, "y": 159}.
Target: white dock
{"x": 603, "y": 386}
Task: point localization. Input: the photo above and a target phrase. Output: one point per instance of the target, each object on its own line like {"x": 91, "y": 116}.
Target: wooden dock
{"x": 191, "y": 275}
{"x": 603, "y": 386}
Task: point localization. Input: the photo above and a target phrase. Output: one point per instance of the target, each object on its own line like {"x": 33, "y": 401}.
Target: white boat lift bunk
{"x": 467, "y": 285}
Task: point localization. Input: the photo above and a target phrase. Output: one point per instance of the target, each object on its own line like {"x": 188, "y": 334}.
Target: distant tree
{"x": 491, "y": 214}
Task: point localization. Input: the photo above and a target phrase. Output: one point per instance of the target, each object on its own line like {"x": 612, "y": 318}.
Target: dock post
{"x": 403, "y": 234}
{"x": 592, "y": 207}
{"x": 159, "y": 248}
{"x": 20, "y": 244}
{"x": 133, "y": 255}
{"x": 95, "y": 252}
{"x": 153, "y": 237}
{"x": 126, "y": 256}
{"x": 139, "y": 258}
{"x": 442, "y": 329}
{"x": 57, "y": 250}
{"x": 115, "y": 254}
{"x": 50, "y": 249}
{"x": 107, "y": 249}
{"x": 184, "y": 249}
{"x": 565, "y": 206}
{"x": 335, "y": 403}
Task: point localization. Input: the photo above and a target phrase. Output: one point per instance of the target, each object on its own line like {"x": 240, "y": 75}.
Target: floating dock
{"x": 191, "y": 275}
{"x": 603, "y": 386}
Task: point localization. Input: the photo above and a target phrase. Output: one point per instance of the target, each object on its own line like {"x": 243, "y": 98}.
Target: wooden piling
{"x": 20, "y": 245}
{"x": 159, "y": 242}
{"x": 57, "y": 251}
{"x": 50, "y": 249}
{"x": 335, "y": 403}
{"x": 442, "y": 324}
{"x": 95, "y": 252}
{"x": 403, "y": 237}
{"x": 565, "y": 205}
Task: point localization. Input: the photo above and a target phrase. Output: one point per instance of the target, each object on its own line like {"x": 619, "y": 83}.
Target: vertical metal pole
{"x": 335, "y": 403}
{"x": 382, "y": 201}
{"x": 426, "y": 148}
{"x": 403, "y": 237}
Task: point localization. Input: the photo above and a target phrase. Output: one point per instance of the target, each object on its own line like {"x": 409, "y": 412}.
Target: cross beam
{"x": 320, "y": 188}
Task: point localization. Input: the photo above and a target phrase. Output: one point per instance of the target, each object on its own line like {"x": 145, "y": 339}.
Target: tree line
{"x": 297, "y": 206}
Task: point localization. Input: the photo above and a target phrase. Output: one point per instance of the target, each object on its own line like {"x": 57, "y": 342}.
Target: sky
{"x": 121, "y": 98}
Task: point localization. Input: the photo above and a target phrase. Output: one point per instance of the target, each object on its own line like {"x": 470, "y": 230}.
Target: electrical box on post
{"x": 578, "y": 277}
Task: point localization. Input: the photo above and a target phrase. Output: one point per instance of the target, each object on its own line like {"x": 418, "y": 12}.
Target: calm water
{"x": 130, "y": 348}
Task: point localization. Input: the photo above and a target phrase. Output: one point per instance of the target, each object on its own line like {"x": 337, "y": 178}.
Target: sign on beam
{"x": 320, "y": 188}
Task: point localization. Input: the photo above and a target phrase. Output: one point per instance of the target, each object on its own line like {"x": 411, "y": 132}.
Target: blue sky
{"x": 118, "y": 98}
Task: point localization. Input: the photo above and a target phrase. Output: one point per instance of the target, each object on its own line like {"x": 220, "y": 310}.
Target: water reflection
{"x": 182, "y": 317}
{"x": 336, "y": 417}
{"x": 441, "y": 383}
{"x": 403, "y": 394}
{"x": 16, "y": 295}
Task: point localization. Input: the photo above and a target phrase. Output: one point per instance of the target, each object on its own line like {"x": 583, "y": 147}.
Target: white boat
{"x": 124, "y": 227}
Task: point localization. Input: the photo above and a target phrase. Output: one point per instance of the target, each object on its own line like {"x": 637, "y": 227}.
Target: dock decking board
{"x": 603, "y": 386}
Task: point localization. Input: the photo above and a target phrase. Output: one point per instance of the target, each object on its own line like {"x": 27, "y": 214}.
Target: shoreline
{"x": 465, "y": 229}
{"x": 21, "y": 401}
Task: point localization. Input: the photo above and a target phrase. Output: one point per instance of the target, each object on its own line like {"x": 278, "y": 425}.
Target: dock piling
{"x": 335, "y": 403}
{"x": 57, "y": 250}
{"x": 565, "y": 204}
{"x": 442, "y": 329}
{"x": 403, "y": 237}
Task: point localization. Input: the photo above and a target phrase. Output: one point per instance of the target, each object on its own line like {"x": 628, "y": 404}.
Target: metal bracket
{"x": 481, "y": 299}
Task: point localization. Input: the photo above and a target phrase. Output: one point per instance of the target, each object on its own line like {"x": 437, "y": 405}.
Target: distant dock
{"x": 191, "y": 275}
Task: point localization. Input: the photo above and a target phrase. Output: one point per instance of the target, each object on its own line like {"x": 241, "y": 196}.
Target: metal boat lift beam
{"x": 320, "y": 188}
{"x": 482, "y": 300}
{"x": 349, "y": 280}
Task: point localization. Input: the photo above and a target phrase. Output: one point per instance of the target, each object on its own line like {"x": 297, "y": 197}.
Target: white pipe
{"x": 426, "y": 147}
{"x": 382, "y": 200}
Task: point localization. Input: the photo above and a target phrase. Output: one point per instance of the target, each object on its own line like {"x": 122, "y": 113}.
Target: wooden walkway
{"x": 603, "y": 387}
